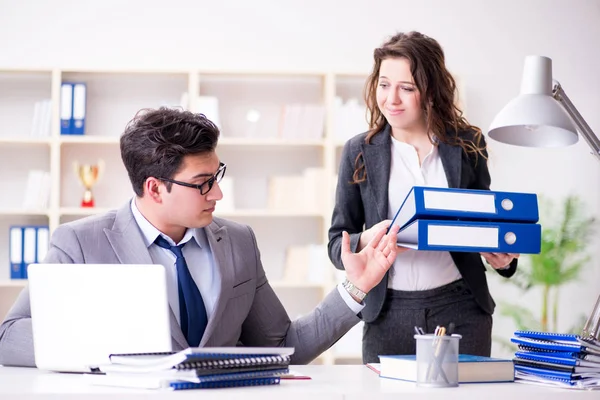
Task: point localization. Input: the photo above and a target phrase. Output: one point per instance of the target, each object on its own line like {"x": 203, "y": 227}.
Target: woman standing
{"x": 418, "y": 137}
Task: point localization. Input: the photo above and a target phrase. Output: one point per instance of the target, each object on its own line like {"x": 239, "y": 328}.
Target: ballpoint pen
{"x": 435, "y": 364}
{"x": 442, "y": 351}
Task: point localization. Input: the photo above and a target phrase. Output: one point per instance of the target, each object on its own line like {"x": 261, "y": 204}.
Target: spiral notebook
{"x": 547, "y": 373}
{"x": 552, "y": 381}
{"x": 567, "y": 359}
{"x": 548, "y": 336}
{"x": 197, "y": 368}
{"x": 225, "y": 384}
{"x": 554, "y": 345}
{"x": 559, "y": 342}
{"x": 202, "y": 359}
{"x": 553, "y": 366}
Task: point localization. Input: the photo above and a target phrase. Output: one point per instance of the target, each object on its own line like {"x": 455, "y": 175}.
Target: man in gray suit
{"x": 218, "y": 292}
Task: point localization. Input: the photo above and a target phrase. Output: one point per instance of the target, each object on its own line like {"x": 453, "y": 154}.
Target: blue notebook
{"x": 225, "y": 384}
{"x": 592, "y": 368}
{"x": 564, "y": 338}
{"x": 466, "y": 204}
{"x": 570, "y": 359}
{"x": 553, "y": 381}
{"x": 471, "y": 236}
{"x": 548, "y": 335}
{"x": 554, "y": 373}
{"x": 471, "y": 368}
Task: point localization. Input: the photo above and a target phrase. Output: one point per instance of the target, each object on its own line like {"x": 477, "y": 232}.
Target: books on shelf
{"x": 471, "y": 369}
{"x": 298, "y": 192}
{"x": 307, "y": 263}
{"x": 73, "y": 97}
{"x": 197, "y": 368}
{"x": 445, "y": 219}
{"x": 209, "y": 106}
{"x": 227, "y": 202}
{"x": 28, "y": 244}
{"x": 37, "y": 191}
{"x": 42, "y": 119}
{"x": 557, "y": 359}
{"x": 302, "y": 121}
{"x": 349, "y": 118}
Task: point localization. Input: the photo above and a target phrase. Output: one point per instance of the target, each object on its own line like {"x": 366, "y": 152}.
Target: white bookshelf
{"x": 250, "y": 109}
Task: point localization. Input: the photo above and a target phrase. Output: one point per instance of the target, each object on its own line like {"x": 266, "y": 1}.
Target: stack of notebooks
{"x": 465, "y": 220}
{"x": 556, "y": 359}
{"x": 196, "y": 368}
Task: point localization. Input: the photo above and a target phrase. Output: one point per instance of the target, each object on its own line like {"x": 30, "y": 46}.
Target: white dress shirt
{"x": 417, "y": 270}
{"x": 198, "y": 257}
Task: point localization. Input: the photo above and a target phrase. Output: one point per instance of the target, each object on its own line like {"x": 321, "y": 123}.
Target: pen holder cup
{"x": 437, "y": 360}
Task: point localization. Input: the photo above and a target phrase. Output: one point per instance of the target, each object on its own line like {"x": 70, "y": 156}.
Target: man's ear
{"x": 154, "y": 189}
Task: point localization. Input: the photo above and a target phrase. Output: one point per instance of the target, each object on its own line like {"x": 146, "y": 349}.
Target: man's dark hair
{"x": 155, "y": 142}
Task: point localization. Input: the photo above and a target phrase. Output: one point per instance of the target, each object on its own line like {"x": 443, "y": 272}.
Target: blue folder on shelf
{"x": 471, "y": 236}
{"x": 28, "y": 244}
{"x": 466, "y": 204}
{"x": 72, "y": 108}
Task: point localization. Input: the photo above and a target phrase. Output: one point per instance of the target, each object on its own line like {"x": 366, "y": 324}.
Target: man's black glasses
{"x": 204, "y": 187}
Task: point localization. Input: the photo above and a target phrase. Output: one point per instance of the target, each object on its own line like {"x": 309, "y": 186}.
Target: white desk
{"x": 355, "y": 382}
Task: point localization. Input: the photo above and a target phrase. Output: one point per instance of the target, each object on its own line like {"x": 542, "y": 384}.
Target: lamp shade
{"x": 534, "y": 118}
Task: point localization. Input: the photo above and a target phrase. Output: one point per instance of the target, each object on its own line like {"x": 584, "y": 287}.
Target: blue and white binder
{"x": 29, "y": 248}
{"x": 28, "y": 245}
{"x": 471, "y": 236}
{"x": 16, "y": 252}
{"x": 66, "y": 108}
{"x": 79, "y": 108}
{"x": 73, "y": 108}
{"x": 466, "y": 204}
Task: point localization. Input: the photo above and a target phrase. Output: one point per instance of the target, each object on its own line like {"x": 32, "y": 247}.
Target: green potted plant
{"x": 565, "y": 235}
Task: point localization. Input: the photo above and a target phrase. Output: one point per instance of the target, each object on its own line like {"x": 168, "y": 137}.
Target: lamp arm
{"x": 591, "y": 329}
{"x": 590, "y": 137}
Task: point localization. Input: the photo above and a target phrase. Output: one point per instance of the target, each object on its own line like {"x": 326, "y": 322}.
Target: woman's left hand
{"x": 499, "y": 260}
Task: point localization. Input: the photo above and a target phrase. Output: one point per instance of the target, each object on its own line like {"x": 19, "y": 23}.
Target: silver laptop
{"x": 81, "y": 313}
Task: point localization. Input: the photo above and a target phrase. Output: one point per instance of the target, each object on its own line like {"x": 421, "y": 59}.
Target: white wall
{"x": 485, "y": 43}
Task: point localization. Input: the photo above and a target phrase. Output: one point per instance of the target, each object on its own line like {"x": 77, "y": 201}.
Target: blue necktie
{"x": 192, "y": 313}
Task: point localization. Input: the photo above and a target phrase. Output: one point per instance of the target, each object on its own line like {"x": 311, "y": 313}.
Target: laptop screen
{"x": 81, "y": 313}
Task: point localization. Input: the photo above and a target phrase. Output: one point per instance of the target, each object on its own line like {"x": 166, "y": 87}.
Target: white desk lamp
{"x": 543, "y": 116}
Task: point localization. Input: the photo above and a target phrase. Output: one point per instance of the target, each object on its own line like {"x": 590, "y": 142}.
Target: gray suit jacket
{"x": 360, "y": 206}
{"x": 247, "y": 311}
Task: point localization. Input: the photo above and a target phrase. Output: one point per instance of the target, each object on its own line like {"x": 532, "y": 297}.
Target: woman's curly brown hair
{"x": 444, "y": 120}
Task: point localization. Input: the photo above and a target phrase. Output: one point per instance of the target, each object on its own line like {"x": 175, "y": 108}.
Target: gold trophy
{"x": 88, "y": 175}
